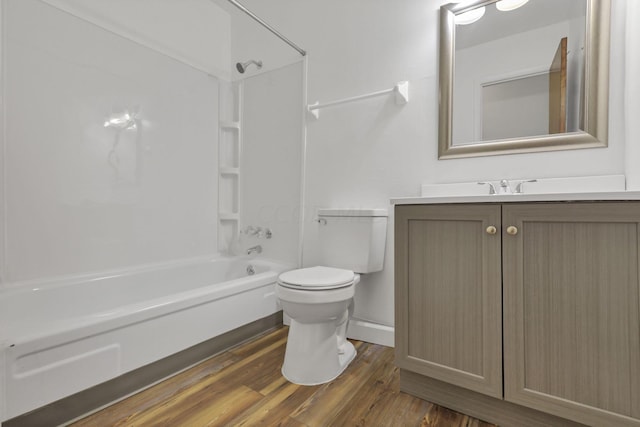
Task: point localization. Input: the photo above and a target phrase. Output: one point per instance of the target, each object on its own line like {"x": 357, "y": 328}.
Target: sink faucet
{"x": 492, "y": 188}
{"x": 254, "y": 249}
{"x": 505, "y": 188}
{"x": 519, "y": 186}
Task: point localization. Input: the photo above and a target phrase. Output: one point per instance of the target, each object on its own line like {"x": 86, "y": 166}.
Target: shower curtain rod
{"x": 267, "y": 26}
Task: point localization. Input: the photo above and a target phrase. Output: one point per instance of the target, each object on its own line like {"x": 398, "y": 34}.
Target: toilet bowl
{"x": 319, "y": 301}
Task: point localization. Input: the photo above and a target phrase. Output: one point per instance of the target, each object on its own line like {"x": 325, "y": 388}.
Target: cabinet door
{"x": 448, "y": 294}
{"x": 571, "y": 310}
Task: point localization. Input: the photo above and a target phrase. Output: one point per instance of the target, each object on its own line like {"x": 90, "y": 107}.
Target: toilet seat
{"x": 317, "y": 278}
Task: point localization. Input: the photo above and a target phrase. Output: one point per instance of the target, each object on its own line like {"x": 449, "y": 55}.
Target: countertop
{"x": 516, "y": 198}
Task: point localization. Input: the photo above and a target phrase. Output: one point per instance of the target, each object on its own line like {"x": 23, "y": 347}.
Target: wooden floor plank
{"x": 368, "y": 401}
{"x": 263, "y": 371}
{"x": 403, "y": 406}
{"x": 240, "y": 368}
{"x": 276, "y": 407}
{"x": 182, "y": 407}
{"x": 331, "y": 398}
{"x": 220, "y": 411}
{"x": 276, "y": 384}
{"x": 244, "y": 387}
{"x": 210, "y": 383}
{"x": 437, "y": 416}
{"x": 251, "y": 347}
{"x": 158, "y": 393}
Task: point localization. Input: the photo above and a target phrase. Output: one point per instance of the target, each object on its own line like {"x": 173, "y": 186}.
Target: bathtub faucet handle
{"x": 250, "y": 230}
{"x": 254, "y": 249}
{"x": 266, "y": 233}
{"x": 258, "y": 232}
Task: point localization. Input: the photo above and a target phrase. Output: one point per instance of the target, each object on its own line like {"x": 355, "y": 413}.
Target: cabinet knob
{"x": 491, "y": 230}
{"x": 512, "y": 230}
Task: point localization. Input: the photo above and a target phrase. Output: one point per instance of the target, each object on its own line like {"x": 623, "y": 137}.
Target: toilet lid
{"x": 318, "y": 278}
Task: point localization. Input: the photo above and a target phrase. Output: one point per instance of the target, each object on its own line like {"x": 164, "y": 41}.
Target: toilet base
{"x": 314, "y": 354}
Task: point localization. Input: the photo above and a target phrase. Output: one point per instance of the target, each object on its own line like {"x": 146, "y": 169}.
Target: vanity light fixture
{"x": 470, "y": 16}
{"x": 507, "y": 5}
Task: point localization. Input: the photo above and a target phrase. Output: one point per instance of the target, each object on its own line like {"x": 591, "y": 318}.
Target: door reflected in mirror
{"x": 519, "y": 73}
{"x": 519, "y": 76}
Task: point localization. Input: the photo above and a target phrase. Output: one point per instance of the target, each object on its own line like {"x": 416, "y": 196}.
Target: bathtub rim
{"x": 53, "y": 282}
{"x": 96, "y": 323}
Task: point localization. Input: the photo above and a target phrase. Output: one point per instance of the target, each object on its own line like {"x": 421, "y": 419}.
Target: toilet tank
{"x": 353, "y": 239}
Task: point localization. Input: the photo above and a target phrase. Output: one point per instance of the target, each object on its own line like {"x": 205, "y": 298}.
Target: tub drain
{"x": 250, "y": 270}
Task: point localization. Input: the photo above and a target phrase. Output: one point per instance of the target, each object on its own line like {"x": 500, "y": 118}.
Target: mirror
{"x": 523, "y": 76}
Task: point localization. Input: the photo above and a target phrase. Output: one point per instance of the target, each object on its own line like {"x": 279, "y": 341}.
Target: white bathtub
{"x": 62, "y": 337}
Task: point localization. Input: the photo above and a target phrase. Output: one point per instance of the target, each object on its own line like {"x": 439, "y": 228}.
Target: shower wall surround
{"x": 160, "y": 25}
{"x": 82, "y": 194}
{"x": 272, "y": 155}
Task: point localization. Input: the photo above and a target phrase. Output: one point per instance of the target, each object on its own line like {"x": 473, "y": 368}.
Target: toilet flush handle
{"x": 322, "y": 221}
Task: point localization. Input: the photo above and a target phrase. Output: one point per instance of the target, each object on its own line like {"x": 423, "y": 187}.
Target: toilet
{"x": 319, "y": 300}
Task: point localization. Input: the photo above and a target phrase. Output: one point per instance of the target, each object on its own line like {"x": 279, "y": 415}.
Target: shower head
{"x": 242, "y": 66}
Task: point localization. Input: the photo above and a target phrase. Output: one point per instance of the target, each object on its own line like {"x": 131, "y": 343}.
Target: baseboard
{"x": 371, "y": 332}
{"x": 94, "y": 398}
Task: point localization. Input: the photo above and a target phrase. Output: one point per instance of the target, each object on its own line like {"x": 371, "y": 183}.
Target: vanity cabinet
{"x": 448, "y": 294}
{"x": 541, "y": 297}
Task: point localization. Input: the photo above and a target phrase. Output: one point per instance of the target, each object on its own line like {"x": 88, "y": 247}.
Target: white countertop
{"x": 515, "y": 198}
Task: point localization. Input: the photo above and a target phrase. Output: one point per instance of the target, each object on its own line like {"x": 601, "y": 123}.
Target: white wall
{"x": 364, "y": 153}
{"x": 68, "y": 206}
{"x": 632, "y": 96}
{"x": 196, "y": 32}
{"x": 514, "y": 108}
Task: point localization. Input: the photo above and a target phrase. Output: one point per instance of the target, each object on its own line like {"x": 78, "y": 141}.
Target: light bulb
{"x": 470, "y": 16}
{"x": 507, "y": 5}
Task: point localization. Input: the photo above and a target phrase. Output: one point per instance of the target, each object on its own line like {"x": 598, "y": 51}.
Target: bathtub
{"x": 64, "y": 336}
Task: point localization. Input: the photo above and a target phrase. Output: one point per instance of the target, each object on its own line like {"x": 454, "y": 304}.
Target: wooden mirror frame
{"x": 594, "y": 109}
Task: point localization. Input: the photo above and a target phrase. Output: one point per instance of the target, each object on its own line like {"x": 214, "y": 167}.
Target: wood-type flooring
{"x": 244, "y": 387}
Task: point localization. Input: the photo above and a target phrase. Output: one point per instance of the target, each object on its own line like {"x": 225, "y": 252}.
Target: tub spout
{"x": 255, "y": 249}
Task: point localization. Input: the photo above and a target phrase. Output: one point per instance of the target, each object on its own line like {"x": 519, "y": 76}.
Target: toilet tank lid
{"x": 352, "y": 212}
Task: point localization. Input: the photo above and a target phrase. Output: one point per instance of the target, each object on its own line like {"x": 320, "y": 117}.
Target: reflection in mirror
{"x": 506, "y": 65}
{"x": 518, "y": 76}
